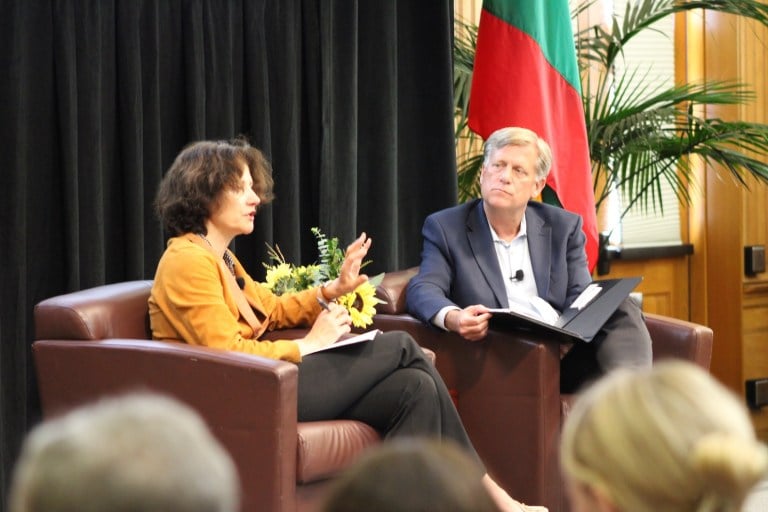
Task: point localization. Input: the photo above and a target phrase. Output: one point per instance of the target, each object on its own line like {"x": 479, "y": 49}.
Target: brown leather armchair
{"x": 507, "y": 389}
{"x": 96, "y": 342}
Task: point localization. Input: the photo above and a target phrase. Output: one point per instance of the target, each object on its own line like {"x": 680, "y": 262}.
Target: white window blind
{"x": 652, "y": 53}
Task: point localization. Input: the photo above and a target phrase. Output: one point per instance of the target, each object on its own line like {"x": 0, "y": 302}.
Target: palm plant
{"x": 468, "y": 156}
{"x": 641, "y": 137}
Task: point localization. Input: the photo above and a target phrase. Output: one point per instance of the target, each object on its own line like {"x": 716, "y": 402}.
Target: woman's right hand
{"x": 329, "y": 326}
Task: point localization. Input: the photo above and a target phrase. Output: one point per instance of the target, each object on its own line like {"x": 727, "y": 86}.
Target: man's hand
{"x": 471, "y": 322}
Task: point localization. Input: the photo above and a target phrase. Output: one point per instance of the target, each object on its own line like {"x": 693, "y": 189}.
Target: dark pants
{"x": 623, "y": 342}
{"x": 387, "y": 383}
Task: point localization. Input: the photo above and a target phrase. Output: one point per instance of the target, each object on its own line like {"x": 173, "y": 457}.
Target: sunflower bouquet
{"x": 283, "y": 277}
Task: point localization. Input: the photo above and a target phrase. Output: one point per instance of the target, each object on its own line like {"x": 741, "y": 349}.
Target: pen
{"x": 323, "y": 304}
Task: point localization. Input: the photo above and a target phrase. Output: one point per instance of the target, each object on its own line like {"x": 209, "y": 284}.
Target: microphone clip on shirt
{"x": 517, "y": 276}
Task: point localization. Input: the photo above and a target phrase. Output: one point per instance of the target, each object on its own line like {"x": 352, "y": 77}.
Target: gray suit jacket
{"x": 459, "y": 265}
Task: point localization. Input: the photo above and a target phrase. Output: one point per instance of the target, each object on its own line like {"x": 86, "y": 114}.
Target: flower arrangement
{"x": 283, "y": 277}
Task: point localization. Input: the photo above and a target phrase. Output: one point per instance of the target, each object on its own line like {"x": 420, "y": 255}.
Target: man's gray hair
{"x": 137, "y": 453}
{"x": 516, "y": 136}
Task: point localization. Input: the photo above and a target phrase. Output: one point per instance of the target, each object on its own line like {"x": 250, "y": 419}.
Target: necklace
{"x": 227, "y": 258}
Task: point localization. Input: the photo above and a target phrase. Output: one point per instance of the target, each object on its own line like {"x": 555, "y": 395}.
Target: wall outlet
{"x": 754, "y": 259}
{"x": 757, "y": 393}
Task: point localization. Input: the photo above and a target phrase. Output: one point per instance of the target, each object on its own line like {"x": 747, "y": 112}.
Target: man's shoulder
{"x": 453, "y": 213}
{"x": 552, "y": 213}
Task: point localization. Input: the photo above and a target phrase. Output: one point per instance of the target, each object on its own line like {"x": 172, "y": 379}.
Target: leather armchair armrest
{"x": 507, "y": 391}
{"x": 116, "y": 310}
{"x": 249, "y": 402}
{"x": 676, "y": 338}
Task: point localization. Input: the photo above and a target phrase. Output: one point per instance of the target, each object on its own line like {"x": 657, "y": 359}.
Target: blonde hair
{"x": 670, "y": 438}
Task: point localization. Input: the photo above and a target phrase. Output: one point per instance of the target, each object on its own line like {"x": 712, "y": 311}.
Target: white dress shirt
{"x": 512, "y": 256}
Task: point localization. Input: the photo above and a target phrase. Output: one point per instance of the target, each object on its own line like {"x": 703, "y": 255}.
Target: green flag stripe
{"x": 548, "y": 22}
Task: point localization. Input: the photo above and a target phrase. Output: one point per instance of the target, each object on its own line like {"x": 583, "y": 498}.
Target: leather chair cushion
{"x": 325, "y": 448}
{"x": 391, "y": 291}
{"x": 112, "y": 311}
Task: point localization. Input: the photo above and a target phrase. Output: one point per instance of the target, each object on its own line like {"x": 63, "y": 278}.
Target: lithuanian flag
{"x": 526, "y": 74}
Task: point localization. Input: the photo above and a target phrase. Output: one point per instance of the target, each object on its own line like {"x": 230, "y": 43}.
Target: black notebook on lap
{"x": 582, "y": 320}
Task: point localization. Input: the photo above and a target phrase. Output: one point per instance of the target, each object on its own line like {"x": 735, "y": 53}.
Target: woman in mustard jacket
{"x": 203, "y": 296}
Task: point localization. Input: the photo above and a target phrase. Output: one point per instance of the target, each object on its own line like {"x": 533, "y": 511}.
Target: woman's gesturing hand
{"x": 349, "y": 275}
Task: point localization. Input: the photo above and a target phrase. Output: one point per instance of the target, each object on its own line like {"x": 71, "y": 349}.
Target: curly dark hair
{"x": 192, "y": 188}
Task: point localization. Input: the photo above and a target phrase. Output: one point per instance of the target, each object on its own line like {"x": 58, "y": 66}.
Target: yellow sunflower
{"x": 283, "y": 277}
{"x": 361, "y": 304}
{"x": 276, "y": 275}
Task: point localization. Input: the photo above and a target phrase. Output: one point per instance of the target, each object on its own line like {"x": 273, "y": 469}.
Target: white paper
{"x": 516, "y": 308}
{"x": 538, "y": 309}
{"x": 547, "y": 313}
{"x": 366, "y": 336}
{"x": 589, "y": 293}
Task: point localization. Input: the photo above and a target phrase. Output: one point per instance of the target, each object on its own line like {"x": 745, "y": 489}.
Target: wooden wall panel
{"x": 689, "y": 60}
{"x": 755, "y": 344}
{"x": 724, "y": 217}
{"x": 753, "y": 70}
{"x": 755, "y": 321}
{"x": 736, "y": 216}
{"x": 664, "y": 286}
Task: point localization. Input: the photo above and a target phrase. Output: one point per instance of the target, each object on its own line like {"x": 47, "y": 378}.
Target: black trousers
{"x": 623, "y": 342}
{"x": 386, "y": 382}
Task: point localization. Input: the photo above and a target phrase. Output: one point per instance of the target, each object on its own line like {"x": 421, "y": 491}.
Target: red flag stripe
{"x": 514, "y": 85}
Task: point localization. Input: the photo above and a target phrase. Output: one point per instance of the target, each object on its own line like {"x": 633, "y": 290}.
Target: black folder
{"x": 575, "y": 324}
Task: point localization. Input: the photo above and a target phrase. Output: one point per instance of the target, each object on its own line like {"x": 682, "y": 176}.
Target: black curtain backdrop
{"x": 351, "y": 101}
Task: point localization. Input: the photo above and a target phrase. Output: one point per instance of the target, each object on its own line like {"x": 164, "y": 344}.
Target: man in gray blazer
{"x": 507, "y": 250}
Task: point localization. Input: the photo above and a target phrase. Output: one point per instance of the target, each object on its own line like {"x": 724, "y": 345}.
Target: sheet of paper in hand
{"x": 347, "y": 340}
{"x": 581, "y": 321}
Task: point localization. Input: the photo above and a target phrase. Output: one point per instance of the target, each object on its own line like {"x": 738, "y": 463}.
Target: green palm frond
{"x": 469, "y": 170}
{"x": 596, "y": 44}
{"x": 468, "y": 162}
{"x": 464, "y": 44}
{"x": 640, "y": 137}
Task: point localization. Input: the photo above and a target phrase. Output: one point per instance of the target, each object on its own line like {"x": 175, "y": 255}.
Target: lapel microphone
{"x": 518, "y": 275}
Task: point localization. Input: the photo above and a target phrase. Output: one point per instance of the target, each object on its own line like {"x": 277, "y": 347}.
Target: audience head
{"x": 515, "y": 136}
{"x": 662, "y": 439}
{"x": 411, "y": 475}
{"x": 139, "y": 453}
{"x": 192, "y": 188}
